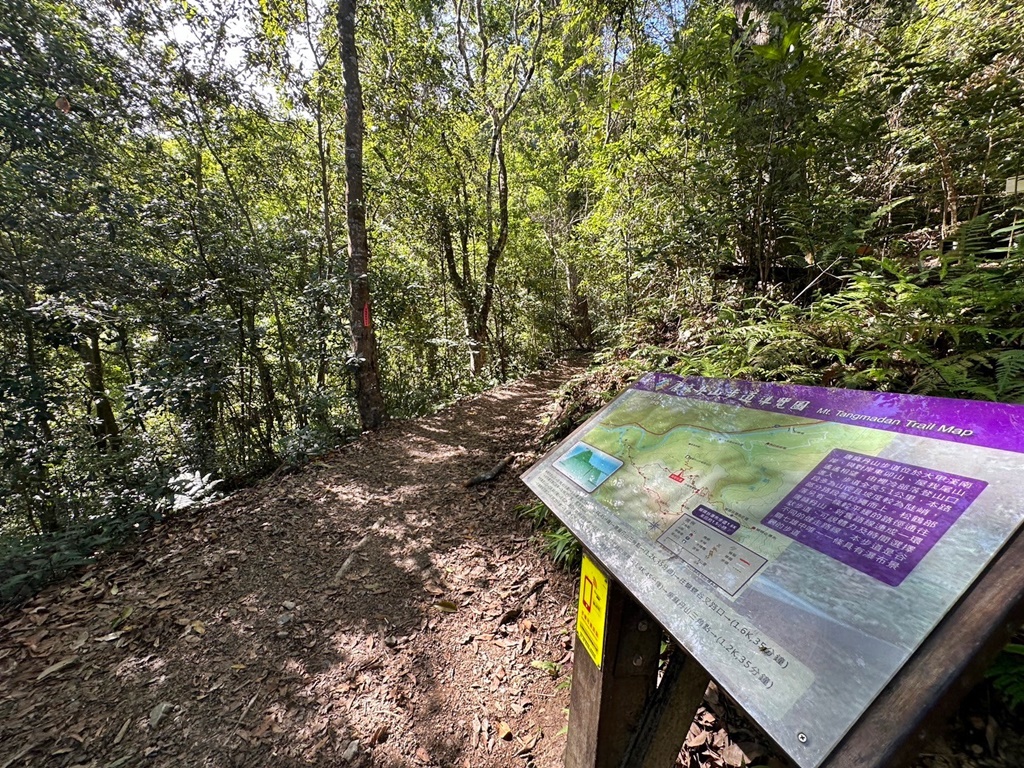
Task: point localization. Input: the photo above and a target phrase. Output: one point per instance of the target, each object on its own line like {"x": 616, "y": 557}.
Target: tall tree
{"x": 495, "y": 69}
{"x": 364, "y": 364}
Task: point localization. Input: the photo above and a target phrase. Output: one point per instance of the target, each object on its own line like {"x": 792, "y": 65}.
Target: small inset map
{"x": 587, "y": 466}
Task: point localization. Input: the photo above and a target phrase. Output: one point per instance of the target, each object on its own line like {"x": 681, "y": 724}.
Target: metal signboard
{"x": 799, "y": 542}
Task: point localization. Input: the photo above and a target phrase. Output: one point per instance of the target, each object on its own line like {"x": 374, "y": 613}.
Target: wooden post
{"x": 668, "y": 714}
{"x": 607, "y": 704}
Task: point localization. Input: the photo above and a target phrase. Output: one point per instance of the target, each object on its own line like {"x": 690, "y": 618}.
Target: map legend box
{"x": 711, "y": 553}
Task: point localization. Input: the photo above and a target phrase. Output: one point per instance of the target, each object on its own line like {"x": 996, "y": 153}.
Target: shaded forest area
{"x": 814, "y": 193}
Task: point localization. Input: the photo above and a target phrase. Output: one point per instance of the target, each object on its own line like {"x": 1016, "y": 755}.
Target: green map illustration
{"x": 738, "y": 461}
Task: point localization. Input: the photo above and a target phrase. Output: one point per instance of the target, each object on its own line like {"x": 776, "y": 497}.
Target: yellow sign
{"x": 590, "y": 618}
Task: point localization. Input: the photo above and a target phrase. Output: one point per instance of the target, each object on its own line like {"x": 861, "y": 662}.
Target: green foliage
{"x": 29, "y": 563}
{"x": 552, "y": 668}
{"x": 784, "y": 195}
{"x": 950, "y": 324}
{"x": 555, "y": 539}
{"x": 1007, "y": 675}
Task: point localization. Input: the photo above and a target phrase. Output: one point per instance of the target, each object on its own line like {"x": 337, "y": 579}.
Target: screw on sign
{"x": 590, "y": 618}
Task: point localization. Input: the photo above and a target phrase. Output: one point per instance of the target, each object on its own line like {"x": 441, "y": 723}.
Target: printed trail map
{"x": 799, "y": 542}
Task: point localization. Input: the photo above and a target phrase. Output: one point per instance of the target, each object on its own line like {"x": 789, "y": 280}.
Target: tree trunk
{"x": 474, "y": 314}
{"x": 271, "y": 411}
{"x": 364, "y": 365}
{"x": 42, "y": 505}
{"x": 105, "y": 428}
{"x": 580, "y": 326}
{"x": 323, "y": 153}
{"x": 477, "y": 295}
{"x": 478, "y": 349}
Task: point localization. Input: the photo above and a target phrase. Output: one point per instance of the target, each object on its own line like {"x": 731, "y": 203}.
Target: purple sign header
{"x": 970, "y": 422}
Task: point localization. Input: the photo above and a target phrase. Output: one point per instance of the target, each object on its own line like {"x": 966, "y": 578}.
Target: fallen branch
{"x": 241, "y": 718}
{"x": 348, "y": 561}
{"x": 486, "y": 477}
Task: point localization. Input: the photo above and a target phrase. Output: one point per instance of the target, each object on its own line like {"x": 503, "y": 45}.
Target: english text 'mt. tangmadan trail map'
{"x": 800, "y": 542}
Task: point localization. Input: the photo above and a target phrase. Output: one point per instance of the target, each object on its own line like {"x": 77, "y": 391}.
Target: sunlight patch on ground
{"x": 135, "y": 667}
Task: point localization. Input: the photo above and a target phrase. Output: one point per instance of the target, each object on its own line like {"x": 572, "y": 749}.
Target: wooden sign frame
{"x": 621, "y": 717}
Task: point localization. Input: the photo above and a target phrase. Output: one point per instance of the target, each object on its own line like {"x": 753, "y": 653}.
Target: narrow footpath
{"x": 368, "y": 610}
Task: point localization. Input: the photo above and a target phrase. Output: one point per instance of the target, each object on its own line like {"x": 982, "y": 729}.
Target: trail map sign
{"x": 799, "y": 542}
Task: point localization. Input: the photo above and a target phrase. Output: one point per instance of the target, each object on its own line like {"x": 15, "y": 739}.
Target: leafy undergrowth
{"x": 947, "y": 324}
{"x": 555, "y": 539}
{"x": 1007, "y": 674}
{"x": 31, "y": 561}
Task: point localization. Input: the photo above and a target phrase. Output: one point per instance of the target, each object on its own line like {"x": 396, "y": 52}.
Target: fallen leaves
{"x": 697, "y": 737}
{"x": 477, "y": 729}
{"x": 215, "y": 635}
{"x": 527, "y": 744}
{"x": 123, "y": 730}
{"x": 736, "y": 756}
{"x": 156, "y": 714}
{"x": 122, "y": 617}
{"x": 379, "y": 735}
{"x": 719, "y": 737}
{"x": 58, "y": 667}
{"x": 19, "y": 754}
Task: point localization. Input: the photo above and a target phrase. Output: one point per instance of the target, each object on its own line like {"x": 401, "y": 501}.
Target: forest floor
{"x": 368, "y": 610}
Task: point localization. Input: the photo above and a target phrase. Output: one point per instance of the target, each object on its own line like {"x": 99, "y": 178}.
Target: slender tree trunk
{"x": 474, "y": 313}
{"x": 106, "y": 429}
{"x": 581, "y": 327}
{"x": 478, "y": 345}
{"x": 42, "y": 505}
{"x": 323, "y": 153}
{"x": 369, "y": 398}
{"x": 950, "y": 202}
{"x": 272, "y": 416}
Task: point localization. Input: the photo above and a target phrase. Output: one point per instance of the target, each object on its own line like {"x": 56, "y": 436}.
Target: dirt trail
{"x": 366, "y": 611}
